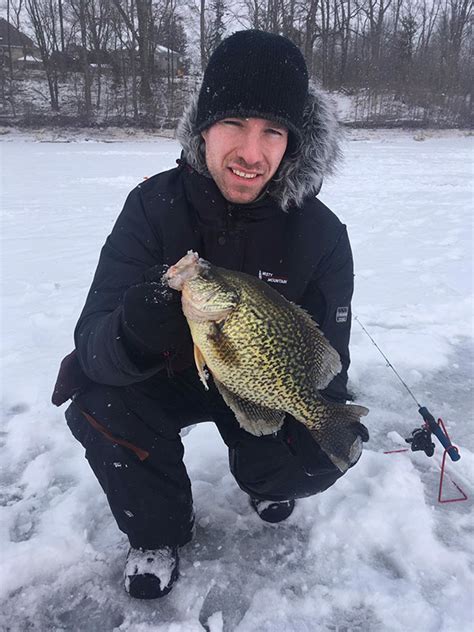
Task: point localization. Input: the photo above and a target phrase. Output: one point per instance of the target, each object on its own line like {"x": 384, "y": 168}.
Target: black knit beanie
{"x": 254, "y": 74}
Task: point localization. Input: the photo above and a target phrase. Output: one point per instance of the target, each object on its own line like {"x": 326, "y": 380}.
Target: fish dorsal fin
{"x": 200, "y": 365}
{"x": 323, "y": 357}
{"x": 254, "y": 418}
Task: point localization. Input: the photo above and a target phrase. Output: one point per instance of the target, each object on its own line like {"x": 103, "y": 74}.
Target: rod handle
{"x": 442, "y": 437}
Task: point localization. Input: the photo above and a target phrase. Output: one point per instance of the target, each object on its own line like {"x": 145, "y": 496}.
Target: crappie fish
{"x": 267, "y": 356}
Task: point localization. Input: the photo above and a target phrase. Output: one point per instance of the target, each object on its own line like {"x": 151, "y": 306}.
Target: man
{"x": 256, "y": 145}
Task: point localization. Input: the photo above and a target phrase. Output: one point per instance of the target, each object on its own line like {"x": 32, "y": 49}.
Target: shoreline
{"x": 119, "y": 135}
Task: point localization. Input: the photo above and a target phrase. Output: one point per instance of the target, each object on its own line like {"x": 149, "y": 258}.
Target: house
{"x": 167, "y": 60}
{"x": 29, "y": 62}
{"x": 15, "y": 45}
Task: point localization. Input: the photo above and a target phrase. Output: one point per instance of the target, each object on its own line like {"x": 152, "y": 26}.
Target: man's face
{"x": 242, "y": 155}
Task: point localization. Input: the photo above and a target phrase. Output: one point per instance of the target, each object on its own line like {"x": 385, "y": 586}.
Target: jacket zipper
{"x": 230, "y": 218}
{"x": 236, "y": 235}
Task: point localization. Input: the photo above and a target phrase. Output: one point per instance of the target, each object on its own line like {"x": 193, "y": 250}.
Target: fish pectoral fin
{"x": 254, "y": 418}
{"x": 200, "y": 365}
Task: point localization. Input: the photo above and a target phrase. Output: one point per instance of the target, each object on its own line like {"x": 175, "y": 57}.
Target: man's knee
{"x": 287, "y": 465}
{"x": 149, "y": 493}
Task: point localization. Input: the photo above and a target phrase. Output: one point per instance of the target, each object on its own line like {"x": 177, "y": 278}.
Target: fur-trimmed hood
{"x": 302, "y": 171}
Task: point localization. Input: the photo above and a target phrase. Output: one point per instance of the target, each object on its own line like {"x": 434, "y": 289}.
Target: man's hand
{"x": 152, "y": 318}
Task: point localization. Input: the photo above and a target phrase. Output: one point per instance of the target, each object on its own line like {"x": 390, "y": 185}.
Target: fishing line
{"x": 388, "y": 362}
{"x": 420, "y": 439}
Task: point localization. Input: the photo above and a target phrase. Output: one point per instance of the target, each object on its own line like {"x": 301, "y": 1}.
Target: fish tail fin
{"x": 339, "y": 432}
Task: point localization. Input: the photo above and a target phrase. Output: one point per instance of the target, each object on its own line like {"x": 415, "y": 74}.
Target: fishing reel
{"x": 420, "y": 439}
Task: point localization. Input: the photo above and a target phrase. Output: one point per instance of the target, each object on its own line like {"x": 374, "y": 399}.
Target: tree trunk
{"x": 40, "y": 23}
{"x": 345, "y": 34}
{"x": 202, "y": 32}
{"x": 61, "y": 24}
{"x": 10, "y": 60}
{"x": 145, "y": 27}
{"x": 310, "y": 34}
{"x": 81, "y": 13}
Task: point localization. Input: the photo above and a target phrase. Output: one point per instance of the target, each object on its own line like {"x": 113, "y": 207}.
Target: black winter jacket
{"x": 304, "y": 254}
{"x": 303, "y": 251}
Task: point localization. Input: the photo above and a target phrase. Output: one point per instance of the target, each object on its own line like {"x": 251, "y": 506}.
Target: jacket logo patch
{"x": 272, "y": 278}
{"x": 341, "y": 314}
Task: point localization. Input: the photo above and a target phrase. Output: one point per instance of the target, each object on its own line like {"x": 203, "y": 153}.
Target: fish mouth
{"x": 195, "y": 301}
{"x": 187, "y": 268}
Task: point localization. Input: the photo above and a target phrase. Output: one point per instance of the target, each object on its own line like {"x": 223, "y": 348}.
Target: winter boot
{"x": 273, "y": 510}
{"x": 150, "y": 574}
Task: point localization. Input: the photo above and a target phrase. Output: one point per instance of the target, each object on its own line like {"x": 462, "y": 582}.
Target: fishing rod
{"x": 420, "y": 439}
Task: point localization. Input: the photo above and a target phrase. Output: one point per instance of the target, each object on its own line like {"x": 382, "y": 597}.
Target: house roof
{"x": 17, "y": 38}
{"x": 158, "y": 49}
{"x": 30, "y": 58}
{"x": 163, "y": 49}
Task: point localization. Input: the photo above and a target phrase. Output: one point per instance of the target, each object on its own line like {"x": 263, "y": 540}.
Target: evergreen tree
{"x": 172, "y": 35}
{"x": 405, "y": 47}
{"x": 217, "y": 28}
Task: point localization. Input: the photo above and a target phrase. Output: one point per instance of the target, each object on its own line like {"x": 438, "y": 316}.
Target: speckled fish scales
{"x": 267, "y": 356}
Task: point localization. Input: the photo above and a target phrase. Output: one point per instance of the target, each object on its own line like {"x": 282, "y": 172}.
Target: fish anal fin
{"x": 200, "y": 365}
{"x": 254, "y": 418}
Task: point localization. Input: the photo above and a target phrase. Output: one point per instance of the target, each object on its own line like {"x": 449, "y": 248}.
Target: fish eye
{"x": 206, "y": 273}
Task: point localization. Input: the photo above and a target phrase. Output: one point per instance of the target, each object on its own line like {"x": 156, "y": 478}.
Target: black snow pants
{"x": 131, "y": 435}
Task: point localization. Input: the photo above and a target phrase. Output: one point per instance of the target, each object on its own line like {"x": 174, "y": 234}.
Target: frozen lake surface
{"x": 376, "y": 552}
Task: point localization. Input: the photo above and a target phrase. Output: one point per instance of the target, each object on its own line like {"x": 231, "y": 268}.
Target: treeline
{"x": 399, "y": 61}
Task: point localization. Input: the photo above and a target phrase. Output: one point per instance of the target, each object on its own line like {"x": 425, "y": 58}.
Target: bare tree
{"x": 61, "y": 24}
{"x": 348, "y": 15}
{"x": 138, "y": 17}
{"x": 14, "y": 12}
{"x": 456, "y": 16}
{"x": 310, "y": 31}
{"x": 10, "y": 61}
{"x": 79, "y": 8}
{"x": 202, "y": 35}
{"x": 254, "y": 12}
{"x": 127, "y": 54}
{"x": 429, "y": 15}
{"x": 99, "y": 27}
{"x": 395, "y": 56}
{"x": 43, "y": 15}
{"x": 212, "y": 27}
{"x": 375, "y": 12}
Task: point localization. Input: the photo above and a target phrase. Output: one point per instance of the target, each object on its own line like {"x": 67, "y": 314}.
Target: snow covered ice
{"x": 373, "y": 553}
